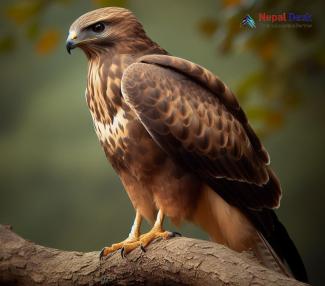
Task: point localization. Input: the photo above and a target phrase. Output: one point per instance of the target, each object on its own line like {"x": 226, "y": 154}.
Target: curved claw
{"x": 142, "y": 248}
{"x": 127, "y": 246}
{"x": 101, "y": 254}
{"x": 175, "y": 233}
{"x": 122, "y": 252}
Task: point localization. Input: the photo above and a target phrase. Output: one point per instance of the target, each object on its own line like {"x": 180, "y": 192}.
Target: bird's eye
{"x": 98, "y": 27}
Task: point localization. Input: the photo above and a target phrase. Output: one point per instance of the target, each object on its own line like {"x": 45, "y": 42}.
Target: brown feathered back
{"x": 196, "y": 119}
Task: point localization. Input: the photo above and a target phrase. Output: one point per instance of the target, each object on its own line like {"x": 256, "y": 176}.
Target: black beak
{"x": 70, "y": 45}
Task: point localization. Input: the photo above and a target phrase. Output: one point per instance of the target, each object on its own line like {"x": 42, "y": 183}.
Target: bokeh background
{"x": 56, "y": 187}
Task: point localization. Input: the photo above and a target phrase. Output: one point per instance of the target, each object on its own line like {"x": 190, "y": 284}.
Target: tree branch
{"x": 178, "y": 261}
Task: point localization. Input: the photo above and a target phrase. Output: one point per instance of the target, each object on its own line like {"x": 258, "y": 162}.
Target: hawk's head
{"x": 103, "y": 29}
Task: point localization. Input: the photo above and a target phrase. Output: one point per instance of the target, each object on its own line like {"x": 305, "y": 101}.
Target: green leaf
{"x": 273, "y": 119}
{"x": 112, "y": 3}
{"x": 33, "y": 30}
{"x": 250, "y": 82}
{"x": 7, "y": 44}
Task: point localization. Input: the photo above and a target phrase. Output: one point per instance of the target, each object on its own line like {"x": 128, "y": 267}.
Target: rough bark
{"x": 178, "y": 261}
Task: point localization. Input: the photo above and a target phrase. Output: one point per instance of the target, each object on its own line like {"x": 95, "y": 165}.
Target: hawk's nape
{"x": 179, "y": 141}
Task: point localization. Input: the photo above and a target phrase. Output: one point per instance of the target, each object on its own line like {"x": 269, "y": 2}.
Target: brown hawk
{"x": 178, "y": 139}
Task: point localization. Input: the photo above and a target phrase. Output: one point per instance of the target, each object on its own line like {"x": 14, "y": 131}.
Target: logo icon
{"x": 249, "y": 22}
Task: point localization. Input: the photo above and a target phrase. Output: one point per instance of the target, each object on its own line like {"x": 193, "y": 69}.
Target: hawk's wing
{"x": 197, "y": 120}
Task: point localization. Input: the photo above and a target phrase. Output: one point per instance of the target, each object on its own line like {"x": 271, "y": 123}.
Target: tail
{"x": 268, "y": 257}
{"x": 228, "y": 225}
{"x": 286, "y": 250}
{"x": 278, "y": 245}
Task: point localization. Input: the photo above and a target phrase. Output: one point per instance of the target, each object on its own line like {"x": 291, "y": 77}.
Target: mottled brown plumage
{"x": 176, "y": 136}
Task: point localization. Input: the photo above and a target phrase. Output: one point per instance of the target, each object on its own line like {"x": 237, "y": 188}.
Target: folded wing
{"x": 196, "y": 119}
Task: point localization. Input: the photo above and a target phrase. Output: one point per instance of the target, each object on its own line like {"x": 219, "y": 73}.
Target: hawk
{"x": 180, "y": 143}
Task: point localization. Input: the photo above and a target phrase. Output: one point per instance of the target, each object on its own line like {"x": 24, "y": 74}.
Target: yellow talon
{"x": 126, "y": 246}
{"x": 150, "y": 236}
{"x": 134, "y": 240}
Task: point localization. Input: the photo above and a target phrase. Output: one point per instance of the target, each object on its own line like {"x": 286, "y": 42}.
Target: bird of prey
{"x": 180, "y": 143}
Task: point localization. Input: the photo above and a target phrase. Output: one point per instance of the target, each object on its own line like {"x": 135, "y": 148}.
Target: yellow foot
{"x": 125, "y": 246}
{"x": 128, "y": 245}
{"x": 150, "y": 236}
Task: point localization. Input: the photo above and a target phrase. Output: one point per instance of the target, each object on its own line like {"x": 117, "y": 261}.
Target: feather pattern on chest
{"x": 125, "y": 141}
{"x": 109, "y": 112}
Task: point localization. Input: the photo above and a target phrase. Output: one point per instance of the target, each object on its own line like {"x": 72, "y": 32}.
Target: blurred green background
{"x": 56, "y": 187}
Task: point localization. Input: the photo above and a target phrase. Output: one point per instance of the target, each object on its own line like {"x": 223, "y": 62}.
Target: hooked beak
{"x": 71, "y": 42}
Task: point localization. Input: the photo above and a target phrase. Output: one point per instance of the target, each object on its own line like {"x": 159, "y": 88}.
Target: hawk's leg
{"x": 157, "y": 231}
{"x": 128, "y": 244}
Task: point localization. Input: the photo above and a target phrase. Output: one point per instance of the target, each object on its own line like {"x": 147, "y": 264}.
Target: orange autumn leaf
{"x": 47, "y": 42}
{"x": 21, "y": 12}
{"x": 275, "y": 119}
{"x": 208, "y": 27}
{"x": 230, "y": 3}
{"x": 267, "y": 50}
